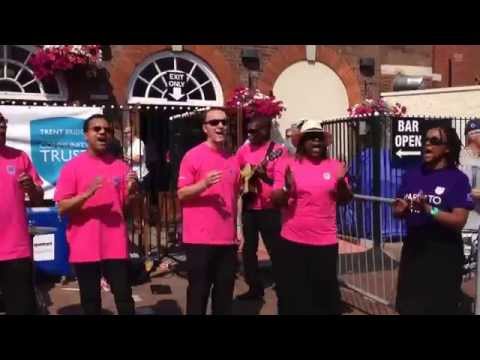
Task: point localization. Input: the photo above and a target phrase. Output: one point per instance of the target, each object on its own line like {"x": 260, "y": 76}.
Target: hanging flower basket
{"x": 371, "y": 107}
{"x": 50, "y": 59}
{"x": 255, "y": 103}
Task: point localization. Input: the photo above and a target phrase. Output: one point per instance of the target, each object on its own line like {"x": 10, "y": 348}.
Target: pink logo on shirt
{"x": 116, "y": 181}
{"x": 11, "y": 169}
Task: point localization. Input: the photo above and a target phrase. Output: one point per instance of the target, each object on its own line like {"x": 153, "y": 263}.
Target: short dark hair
{"x": 86, "y": 123}
{"x": 214, "y": 108}
{"x": 262, "y": 120}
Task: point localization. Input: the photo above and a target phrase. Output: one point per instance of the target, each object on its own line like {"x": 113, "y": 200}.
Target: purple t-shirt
{"x": 445, "y": 189}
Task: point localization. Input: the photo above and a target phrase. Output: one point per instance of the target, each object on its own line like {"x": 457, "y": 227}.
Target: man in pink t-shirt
{"x": 17, "y": 178}
{"x": 93, "y": 190}
{"x": 208, "y": 185}
{"x": 258, "y": 214}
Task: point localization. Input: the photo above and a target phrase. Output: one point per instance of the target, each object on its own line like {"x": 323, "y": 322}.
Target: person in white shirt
{"x": 134, "y": 155}
{"x": 470, "y": 165}
{"x": 134, "y": 152}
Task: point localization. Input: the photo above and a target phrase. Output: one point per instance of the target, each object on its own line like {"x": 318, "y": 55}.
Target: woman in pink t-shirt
{"x": 308, "y": 187}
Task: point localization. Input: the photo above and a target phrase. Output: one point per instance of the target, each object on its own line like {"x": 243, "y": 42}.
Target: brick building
{"x": 291, "y": 72}
{"x": 319, "y": 81}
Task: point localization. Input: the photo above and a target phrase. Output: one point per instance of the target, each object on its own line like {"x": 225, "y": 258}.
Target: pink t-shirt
{"x": 310, "y": 217}
{"x": 15, "y": 241}
{"x": 97, "y": 231}
{"x": 210, "y": 218}
{"x": 254, "y": 155}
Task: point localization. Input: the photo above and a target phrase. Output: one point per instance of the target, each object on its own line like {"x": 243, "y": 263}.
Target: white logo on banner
{"x": 44, "y": 247}
{"x": 439, "y": 190}
{"x": 50, "y": 135}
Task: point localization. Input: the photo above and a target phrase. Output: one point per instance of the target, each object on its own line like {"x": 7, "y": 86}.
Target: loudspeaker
{"x": 367, "y": 66}
{"x": 250, "y": 59}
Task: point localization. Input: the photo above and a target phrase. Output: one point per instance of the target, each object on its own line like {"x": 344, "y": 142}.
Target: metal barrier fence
{"x": 367, "y": 266}
{"x": 371, "y": 268}
{"x": 371, "y": 238}
{"x": 155, "y": 229}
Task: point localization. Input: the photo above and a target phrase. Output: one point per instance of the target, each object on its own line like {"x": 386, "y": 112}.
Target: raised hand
{"x": 96, "y": 184}
{"x": 289, "y": 179}
{"x": 132, "y": 182}
{"x": 26, "y": 182}
{"x": 400, "y": 206}
{"x": 212, "y": 178}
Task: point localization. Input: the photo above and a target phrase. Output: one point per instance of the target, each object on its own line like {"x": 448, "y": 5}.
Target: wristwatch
{"x": 434, "y": 211}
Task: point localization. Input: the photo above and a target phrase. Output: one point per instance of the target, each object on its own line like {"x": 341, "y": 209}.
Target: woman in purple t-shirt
{"x": 434, "y": 198}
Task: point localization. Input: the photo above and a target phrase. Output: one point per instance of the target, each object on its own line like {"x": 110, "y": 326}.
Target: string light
{"x": 187, "y": 109}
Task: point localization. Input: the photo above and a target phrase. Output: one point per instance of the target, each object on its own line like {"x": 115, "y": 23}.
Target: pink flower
{"x": 46, "y": 61}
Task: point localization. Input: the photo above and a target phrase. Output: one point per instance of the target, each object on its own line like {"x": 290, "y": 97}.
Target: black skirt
{"x": 430, "y": 274}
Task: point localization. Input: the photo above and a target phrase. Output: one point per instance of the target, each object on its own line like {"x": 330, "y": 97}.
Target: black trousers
{"x": 430, "y": 275}
{"x": 266, "y": 222}
{"x": 116, "y": 273}
{"x": 211, "y": 269}
{"x": 16, "y": 284}
{"x": 307, "y": 279}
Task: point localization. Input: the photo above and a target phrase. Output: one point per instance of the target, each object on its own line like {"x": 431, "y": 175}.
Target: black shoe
{"x": 251, "y": 294}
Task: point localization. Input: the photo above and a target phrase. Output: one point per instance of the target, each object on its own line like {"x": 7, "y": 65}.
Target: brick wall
{"x": 226, "y": 62}
{"x": 465, "y": 63}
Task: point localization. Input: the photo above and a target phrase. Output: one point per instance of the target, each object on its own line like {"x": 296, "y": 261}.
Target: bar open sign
{"x": 407, "y": 134}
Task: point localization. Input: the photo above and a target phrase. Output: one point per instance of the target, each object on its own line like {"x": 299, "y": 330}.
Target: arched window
{"x": 18, "y": 81}
{"x": 171, "y": 78}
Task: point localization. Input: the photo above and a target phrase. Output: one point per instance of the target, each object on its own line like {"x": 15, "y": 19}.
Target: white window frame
{"x": 165, "y": 101}
{"x": 42, "y": 95}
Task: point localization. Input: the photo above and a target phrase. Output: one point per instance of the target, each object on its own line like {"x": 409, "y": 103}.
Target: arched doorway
{"x": 170, "y": 78}
{"x": 310, "y": 91}
{"x": 175, "y": 83}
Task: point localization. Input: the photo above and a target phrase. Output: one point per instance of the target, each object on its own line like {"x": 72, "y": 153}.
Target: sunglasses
{"x": 312, "y": 136}
{"x": 254, "y": 131}
{"x": 433, "y": 141}
{"x": 216, "y": 122}
{"x": 108, "y": 130}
